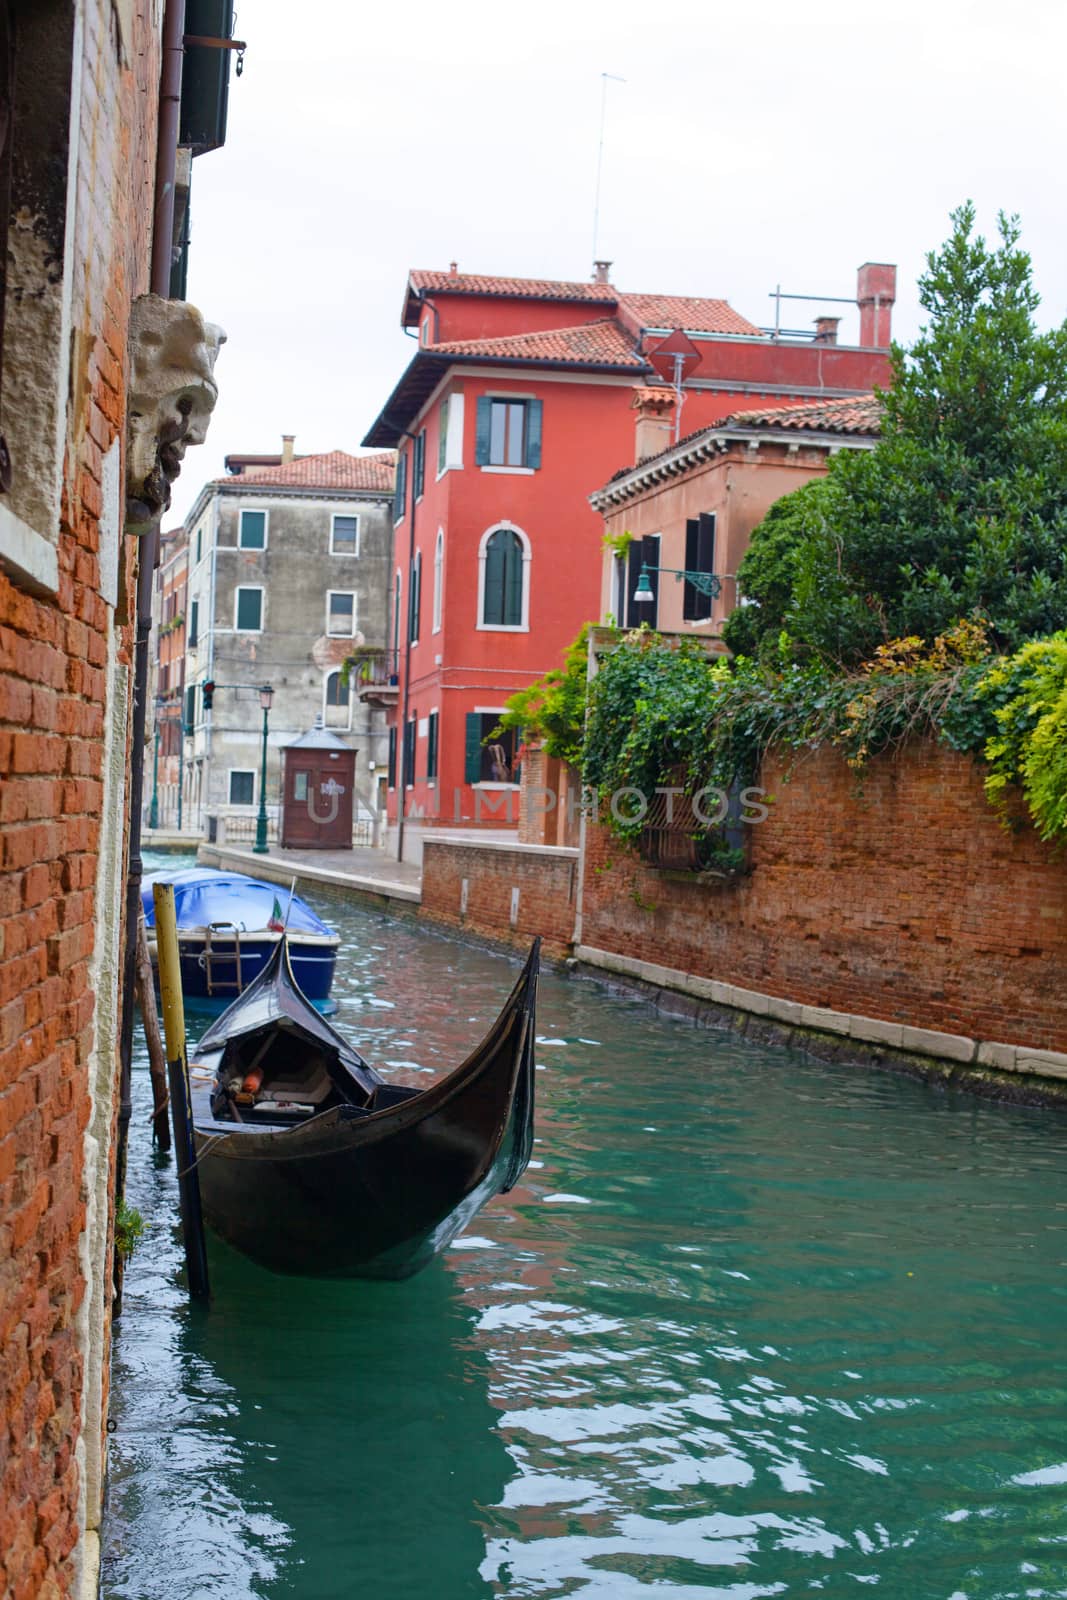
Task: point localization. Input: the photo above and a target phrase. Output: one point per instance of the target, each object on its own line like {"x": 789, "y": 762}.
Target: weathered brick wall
{"x": 902, "y": 899}
{"x": 546, "y": 881}
{"x": 63, "y": 714}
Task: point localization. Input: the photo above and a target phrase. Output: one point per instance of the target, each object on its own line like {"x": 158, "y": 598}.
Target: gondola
{"x": 309, "y": 1162}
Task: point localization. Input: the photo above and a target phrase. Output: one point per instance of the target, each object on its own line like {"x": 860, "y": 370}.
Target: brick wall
{"x": 64, "y": 659}
{"x": 902, "y": 900}
{"x": 546, "y": 881}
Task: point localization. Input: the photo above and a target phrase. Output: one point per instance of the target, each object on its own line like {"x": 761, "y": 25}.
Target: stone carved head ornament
{"x": 172, "y": 393}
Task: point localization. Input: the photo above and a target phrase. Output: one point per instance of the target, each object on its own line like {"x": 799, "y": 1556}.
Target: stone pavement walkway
{"x": 363, "y": 871}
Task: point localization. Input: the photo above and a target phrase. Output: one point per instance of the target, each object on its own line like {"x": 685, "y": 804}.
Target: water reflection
{"x": 750, "y": 1325}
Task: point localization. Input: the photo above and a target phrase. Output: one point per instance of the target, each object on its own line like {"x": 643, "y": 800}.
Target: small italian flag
{"x": 275, "y": 922}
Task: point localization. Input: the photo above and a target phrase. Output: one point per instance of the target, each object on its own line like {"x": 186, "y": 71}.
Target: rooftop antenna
{"x": 604, "y": 79}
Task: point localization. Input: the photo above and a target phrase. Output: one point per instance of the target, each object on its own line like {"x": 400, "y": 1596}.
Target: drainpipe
{"x": 170, "y": 88}
{"x": 403, "y": 730}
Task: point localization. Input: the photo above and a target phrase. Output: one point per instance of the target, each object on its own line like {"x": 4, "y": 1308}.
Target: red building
{"x": 515, "y": 407}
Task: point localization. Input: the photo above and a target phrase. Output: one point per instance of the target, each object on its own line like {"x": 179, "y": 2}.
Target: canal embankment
{"x": 892, "y": 924}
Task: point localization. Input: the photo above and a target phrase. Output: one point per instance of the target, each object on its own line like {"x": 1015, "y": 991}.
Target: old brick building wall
{"x": 508, "y": 893}
{"x": 871, "y": 907}
{"x": 86, "y": 78}
{"x": 899, "y": 898}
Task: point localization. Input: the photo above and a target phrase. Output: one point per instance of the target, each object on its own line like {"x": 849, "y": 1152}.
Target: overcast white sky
{"x": 750, "y": 145}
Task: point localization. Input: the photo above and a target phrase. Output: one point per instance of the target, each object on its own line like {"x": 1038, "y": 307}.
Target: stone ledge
{"x": 983, "y": 1066}
{"x": 463, "y": 842}
{"x": 284, "y": 872}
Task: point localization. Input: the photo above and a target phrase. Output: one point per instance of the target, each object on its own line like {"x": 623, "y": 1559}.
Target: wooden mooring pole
{"x": 157, "y": 1061}
{"x": 170, "y": 990}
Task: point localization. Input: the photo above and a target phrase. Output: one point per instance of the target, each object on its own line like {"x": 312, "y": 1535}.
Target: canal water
{"x": 751, "y": 1325}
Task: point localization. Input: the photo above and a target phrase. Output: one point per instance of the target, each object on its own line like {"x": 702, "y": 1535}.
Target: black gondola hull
{"x": 357, "y": 1194}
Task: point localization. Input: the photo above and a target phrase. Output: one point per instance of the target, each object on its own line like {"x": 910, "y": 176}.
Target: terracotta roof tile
{"x": 510, "y": 288}
{"x": 335, "y": 469}
{"x": 694, "y": 314}
{"x": 601, "y": 344}
{"x": 653, "y": 394}
{"x": 857, "y": 414}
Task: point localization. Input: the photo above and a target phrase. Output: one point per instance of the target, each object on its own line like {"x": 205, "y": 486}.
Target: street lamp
{"x": 266, "y": 695}
{"x": 703, "y": 582}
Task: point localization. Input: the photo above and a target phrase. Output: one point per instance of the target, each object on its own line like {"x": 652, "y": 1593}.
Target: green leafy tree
{"x": 961, "y": 509}
{"x": 553, "y": 708}
{"x": 768, "y": 573}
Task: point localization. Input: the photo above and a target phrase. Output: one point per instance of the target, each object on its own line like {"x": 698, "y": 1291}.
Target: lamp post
{"x": 266, "y": 695}
{"x": 703, "y": 582}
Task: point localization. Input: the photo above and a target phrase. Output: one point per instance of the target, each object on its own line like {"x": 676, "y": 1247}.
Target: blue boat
{"x": 228, "y": 928}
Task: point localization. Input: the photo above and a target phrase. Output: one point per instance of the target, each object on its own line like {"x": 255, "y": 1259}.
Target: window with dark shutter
{"x": 699, "y": 557}
{"x": 431, "y": 746}
{"x": 194, "y": 622}
{"x": 419, "y": 454}
{"x": 642, "y": 553}
{"x": 409, "y": 752}
{"x": 392, "y": 758}
{"x": 400, "y": 490}
{"x": 190, "y": 709}
{"x": 502, "y": 602}
{"x": 415, "y": 599}
{"x": 253, "y": 530}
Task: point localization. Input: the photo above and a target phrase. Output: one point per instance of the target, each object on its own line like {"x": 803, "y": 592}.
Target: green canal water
{"x": 750, "y": 1325}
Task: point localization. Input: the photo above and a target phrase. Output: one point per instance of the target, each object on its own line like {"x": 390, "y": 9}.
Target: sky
{"x": 749, "y": 146}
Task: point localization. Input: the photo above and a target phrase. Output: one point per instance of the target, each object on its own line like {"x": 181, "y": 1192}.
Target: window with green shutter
{"x": 194, "y": 622}
{"x": 189, "y": 719}
{"x": 442, "y": 436}
{"x": 400, "y": 491}
{"x": 502, "y": 599}
{"x": 249, "y": 611}
{"x": 431, "y": 746}
{"x": 508, "y": 433}
{"x": 418, "y": 451}
{"x": 253, "y": 530}
{"x": 415, "y": 598}
{"x": 490, "y": 755}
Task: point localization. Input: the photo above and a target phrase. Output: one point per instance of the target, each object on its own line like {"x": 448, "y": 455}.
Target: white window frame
{"x": 454, "y": 435}
{"x": 261, "y": 511}
{"x": 491, "y": 711}
{"x": 327, "y": 708}
{"x": 349, "y": 516}
{"x": 242, "y": 588}
{"x": 483, "y": 556}
{"x": 332, "y": 633}
{"x": 438, "y": 580}
{"x": 230, "y": 801}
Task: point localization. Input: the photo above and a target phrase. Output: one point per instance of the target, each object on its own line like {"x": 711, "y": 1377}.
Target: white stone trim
{"x": 1024, "y": 1059}
{"x": 28, "y": 557}
{"x": 527, "y": 557}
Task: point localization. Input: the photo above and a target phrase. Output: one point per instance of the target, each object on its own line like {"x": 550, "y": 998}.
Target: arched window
{"x": 438, "y": 579}
{"x": 337, "y": 701}
{"x": 505, "y": 556}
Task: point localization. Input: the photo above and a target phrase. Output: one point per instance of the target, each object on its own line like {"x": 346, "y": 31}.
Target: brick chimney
{"x": 826, "y": 330}
{"x": 654, "y": 428}
{"x": 600, "y": 271}
{"x": 288, "y": 441}
{"x": 876, "y": 290}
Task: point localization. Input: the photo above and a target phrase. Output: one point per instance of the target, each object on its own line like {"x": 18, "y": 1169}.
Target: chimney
{"x": 826, "y": 330}
{"x": 288, "y": 440}
{"x": 654, "y": 429}
{"x": 876, "y": 290}
{"x": 600, "y": 271}
{"x": 453, "y": 269}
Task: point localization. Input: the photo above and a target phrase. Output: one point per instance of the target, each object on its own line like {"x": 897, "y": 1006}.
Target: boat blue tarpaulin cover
{"x": 204, "y": 894}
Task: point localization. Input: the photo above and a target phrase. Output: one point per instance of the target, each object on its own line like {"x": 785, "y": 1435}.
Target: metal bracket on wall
{"x": 240, "y": 45}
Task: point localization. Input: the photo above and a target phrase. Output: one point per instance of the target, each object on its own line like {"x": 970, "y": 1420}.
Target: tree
{"x": 961, "y": 508}
{"x": 769, "y": 570}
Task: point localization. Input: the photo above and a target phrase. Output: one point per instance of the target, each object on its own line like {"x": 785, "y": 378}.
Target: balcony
{"x": 375, "y": 677}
